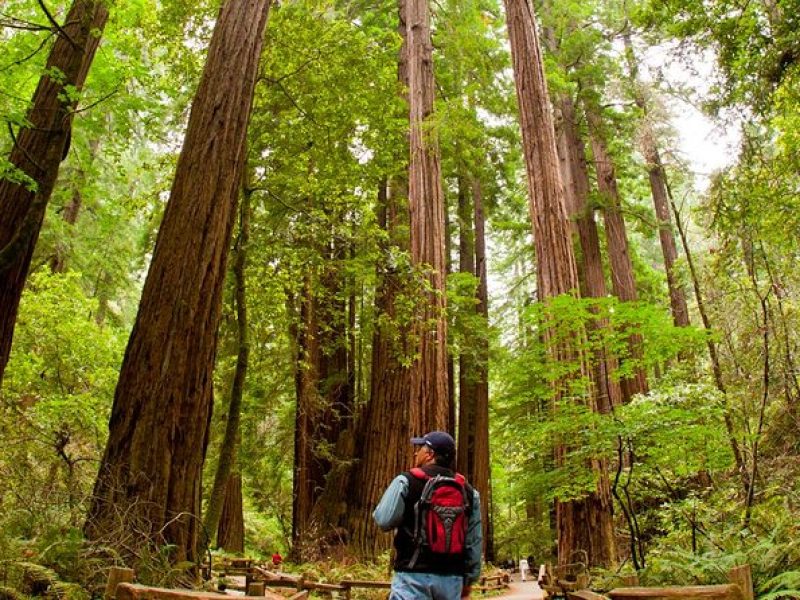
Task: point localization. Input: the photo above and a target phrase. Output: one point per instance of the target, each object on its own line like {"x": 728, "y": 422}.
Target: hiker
{"x": 277, "y": 559}
{"x": 523, "y": 568}
{"x": 436, "y": 559}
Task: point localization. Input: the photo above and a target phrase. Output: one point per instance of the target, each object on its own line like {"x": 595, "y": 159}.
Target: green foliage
{"x": 57, "y": 392}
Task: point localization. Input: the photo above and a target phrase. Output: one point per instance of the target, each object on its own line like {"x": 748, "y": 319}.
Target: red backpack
{"x": 441, "y": 515}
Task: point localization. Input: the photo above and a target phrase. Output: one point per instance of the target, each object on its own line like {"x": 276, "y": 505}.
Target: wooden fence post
{"x": 116, "y": 576}
{"x": 742, "y": 576}
{"x": 256, "y": 588}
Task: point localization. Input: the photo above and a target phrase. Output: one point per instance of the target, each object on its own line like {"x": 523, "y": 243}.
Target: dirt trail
{"x": 523, "y": 590}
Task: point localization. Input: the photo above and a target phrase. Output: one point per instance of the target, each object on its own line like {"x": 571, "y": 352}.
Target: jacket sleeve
{"x": 389, "y": 512}
{"x": 474, "y": 542}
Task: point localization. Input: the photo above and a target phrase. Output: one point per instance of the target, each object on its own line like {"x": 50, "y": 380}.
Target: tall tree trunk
{"x": 622, "y": 279}
{"x": 230, "y": 443}
{"x": 572, "y": 156}
{"x": 383, "y": 430}
{"x": 307, "y": 363}
{"x": 429, "y": 385}
{"x": 384, "y": 427}
{"x": 575, "y": 175}
{"x": 38, "y": 151}
{"x": 481, "y": 476}
{"x": 467, "y": 384}
{"x": 658, "y": 189}
{"x": 230, "y": 533}
{"x": 556, "y": 272}
{"x": 149, "y": 480}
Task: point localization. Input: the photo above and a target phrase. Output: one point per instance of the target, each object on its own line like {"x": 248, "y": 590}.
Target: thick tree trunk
{"x": 622, "y": 279}
{"x": 230, "y": 443}
{"x": 658, "y": 189}
{"x": 38, "y": 151}
{"x": 384, "y": 429}
{"x": 556, "y": 272}
{"x": 230, "y": 533}
{"x": 481, "y": 475}
{"x": 149, "y": 480}
{"x": 429, "y": 385}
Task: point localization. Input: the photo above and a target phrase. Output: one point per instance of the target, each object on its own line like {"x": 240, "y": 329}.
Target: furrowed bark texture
{"x": 556, "y": 272}
{"x": 622, "y": 279}
{"x": 38, "y": 152}
{"x": 384, "y": 428}
{"x": 150, "y": 475}
{"x": 230, "y": 533}
{"x": 429, "y": 385}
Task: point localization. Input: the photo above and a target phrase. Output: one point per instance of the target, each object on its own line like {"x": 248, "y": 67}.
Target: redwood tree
{"x": 384, "y": 428}
{"x": 622, "y": 277}
{"x": 584, "y": 524}
{"x": 149, "y": 481}
{"x": 38, "y": 151}
{"x": 429, "y": 385}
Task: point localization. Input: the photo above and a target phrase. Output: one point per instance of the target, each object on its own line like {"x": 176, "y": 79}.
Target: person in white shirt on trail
{"x": 523, "y": 568}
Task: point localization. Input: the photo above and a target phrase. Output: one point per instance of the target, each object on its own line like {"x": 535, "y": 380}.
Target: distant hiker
{"x": 523, "y": 568}
{"x": 437, "y": 518}
{"x": 277, "y": 559}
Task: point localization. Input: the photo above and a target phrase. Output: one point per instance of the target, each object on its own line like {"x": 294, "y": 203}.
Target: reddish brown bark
{"x": 149, "y": 480}
{"x": 557, "y": 272}
{"x": 230, "y": 533}
{"x": 622, "y": 278}
{"x": 429, "y": 385}
{"x": 384, "y": 432}
{"x": 38, "y": 152}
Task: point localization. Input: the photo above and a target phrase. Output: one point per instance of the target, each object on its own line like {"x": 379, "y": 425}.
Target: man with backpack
{"x": 437, "y": 518}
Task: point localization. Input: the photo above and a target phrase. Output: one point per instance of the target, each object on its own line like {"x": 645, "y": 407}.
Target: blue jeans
{"x": 425, "y": 586}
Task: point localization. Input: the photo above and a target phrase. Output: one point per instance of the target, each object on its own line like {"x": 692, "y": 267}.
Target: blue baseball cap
{"x": 440, "y": 442}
